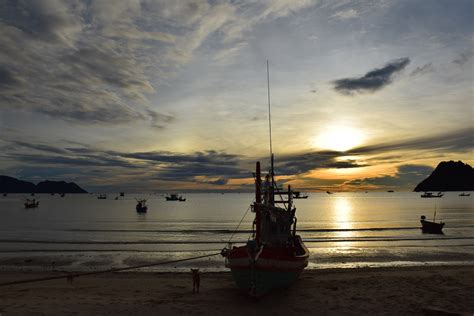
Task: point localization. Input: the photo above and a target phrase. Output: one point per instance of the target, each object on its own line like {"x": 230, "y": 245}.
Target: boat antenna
{"x": 269, "y": 119}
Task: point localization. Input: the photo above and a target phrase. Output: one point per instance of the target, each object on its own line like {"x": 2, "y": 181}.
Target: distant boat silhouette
{"x": 31, "y": 203}
{"x": 102, "y": 196}
{"x": 390, "y": 191}
{"x": 328, "y": 192}
{"x": 141, "y": 206}
{"x": 465, "y": 194}
{"x": 299, "y": 195}
{"x": 175, "y": 197}
{"x": 122, "y": 193}
{"x": 431, "y": 227}
{"x": 431, "y": 195}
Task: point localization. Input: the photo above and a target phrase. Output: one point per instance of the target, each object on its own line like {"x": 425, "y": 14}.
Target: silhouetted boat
{"x": 465, "y": 194}
{"x": 328, "y": 192}
{"x": 62, "y": 194}
{"x": 390, "y": 191}
{"x": 299, "y": 195}
{"x": 122, "y": 193}
{"x": 175, "y": 197}
{"x": 274, "y": 256}
{"x": 31, "y": 203}
{"x": 4, "y": 194}
{"x": 141, "y": 206}
{"x": 431, "y": 195}
{"x": 102, "y": 196}
{"x": 431, "y": 227}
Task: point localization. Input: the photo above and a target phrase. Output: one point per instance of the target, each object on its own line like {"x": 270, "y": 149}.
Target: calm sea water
{"x": 342, "y": 230}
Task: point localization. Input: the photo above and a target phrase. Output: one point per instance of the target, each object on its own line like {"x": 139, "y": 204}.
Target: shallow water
{"x": 80, "y": 232}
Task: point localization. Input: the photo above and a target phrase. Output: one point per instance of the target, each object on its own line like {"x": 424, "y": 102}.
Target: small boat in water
{"x": 62, "y": 194}
{"x": 431, "y": 227}
{"x": 299, "y": 195}
{"x": 4, "y": 194}
{"x": 102, "y": 196}
{"x": 431, "y": 195}
{"x": 31, "y": 203}
{"x": 390, "y": 191}
{"x": 328, "y": 192}
{"x": 175, "y": 197}
{"x": 141, "y": 206}
{"x": 122, "y": 193}
{"x": 465, "y": 194}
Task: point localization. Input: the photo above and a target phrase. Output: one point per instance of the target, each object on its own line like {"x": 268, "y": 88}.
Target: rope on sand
{"x": 70, "y": 276}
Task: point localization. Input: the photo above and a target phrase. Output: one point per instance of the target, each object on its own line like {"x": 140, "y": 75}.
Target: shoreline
{"x": 388, "y": 290}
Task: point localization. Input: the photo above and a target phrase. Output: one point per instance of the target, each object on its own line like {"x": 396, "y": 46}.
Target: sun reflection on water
{"x": 343, "y": 218}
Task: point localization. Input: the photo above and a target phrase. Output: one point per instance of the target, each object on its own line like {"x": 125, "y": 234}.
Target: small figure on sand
{"x": 196, "y": 280}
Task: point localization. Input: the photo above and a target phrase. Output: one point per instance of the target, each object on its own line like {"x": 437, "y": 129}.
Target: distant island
{"x": 449, "y": 176}
{"x": 12, "y": 185}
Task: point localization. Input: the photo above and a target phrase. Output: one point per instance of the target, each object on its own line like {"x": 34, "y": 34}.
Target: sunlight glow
{"x": 339, "y": 138}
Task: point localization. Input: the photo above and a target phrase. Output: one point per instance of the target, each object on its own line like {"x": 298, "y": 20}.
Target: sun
{"x": 338, "y": 138}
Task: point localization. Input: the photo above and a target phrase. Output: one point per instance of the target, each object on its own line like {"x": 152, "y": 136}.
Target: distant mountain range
{"x": 449, "y": 176}
{"x": 12, "y": 185}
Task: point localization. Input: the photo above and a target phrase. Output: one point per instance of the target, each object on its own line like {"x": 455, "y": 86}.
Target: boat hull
{"x": 431, "y": 227}
{"x": 259, "y": 272}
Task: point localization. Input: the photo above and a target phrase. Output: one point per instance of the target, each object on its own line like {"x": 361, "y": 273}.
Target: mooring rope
{"x": 241, "y": 220}
{"x": 70, "y": 276}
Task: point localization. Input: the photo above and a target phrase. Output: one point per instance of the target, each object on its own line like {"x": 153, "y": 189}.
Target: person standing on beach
{"x": 196, "y": 280}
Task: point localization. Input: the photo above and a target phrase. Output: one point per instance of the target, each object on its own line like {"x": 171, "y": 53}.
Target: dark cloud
{"x": 7, "y": 79}
{"x": 463, "y": 58}
{"x": 423, "y": 70}
{"x": 407, "y": 176}
{"x": 458, "y": 141}
{"x": 304, "y": 162}
{"x": 373, "y": 80}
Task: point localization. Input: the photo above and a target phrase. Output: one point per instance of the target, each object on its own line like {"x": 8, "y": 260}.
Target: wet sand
{"x": 389, "y": 291}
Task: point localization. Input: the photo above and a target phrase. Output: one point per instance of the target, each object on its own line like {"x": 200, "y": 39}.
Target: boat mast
{"x": 269, "y": 120}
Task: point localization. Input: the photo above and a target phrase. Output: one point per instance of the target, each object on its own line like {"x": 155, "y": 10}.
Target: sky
{"x": 172, "y": 95}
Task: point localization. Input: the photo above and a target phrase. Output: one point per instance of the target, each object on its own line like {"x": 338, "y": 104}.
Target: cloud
{"x": 423, "y": 70}
{"x": 455, "y": 141}
{"x": 373, "y": 80}
{"x": 407, "y": 176}
{"x": 345, "y": 14}
{"x": 463, "y": 58}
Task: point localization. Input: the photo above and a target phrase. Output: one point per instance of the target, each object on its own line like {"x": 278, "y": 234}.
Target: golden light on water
{"x": 339, "y": 138}
{"x": 343, "y": 213}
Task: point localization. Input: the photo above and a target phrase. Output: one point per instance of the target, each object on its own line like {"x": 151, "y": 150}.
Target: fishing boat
{"x": 62, "y": 194}
{"x": 31, "y": 203}
{"x": 329, "y": 192}
{"x": 175, "y": 197}
{"x": 102, "y": 196}
{"x": 431, "y": 227}
{"x": 122, "y": 193}
{"x": 141, "y": 206}
{"x": 275, "y": 255}
{"x": 299, "y": 195}
{"x": 431, "y": 195}
{"x": 465, "y": 194}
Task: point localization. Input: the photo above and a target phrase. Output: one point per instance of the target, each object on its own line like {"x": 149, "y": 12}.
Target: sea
{"x": 79, "y": 232}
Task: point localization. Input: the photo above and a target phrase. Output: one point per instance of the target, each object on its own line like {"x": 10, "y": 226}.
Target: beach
{"x": 431, "y": 290}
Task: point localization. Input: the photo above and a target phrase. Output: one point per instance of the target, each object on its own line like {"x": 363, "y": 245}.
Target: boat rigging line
{"x": 71, "y": 276}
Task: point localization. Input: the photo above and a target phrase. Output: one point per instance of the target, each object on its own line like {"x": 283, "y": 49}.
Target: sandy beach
{"x": 390, "y": 291}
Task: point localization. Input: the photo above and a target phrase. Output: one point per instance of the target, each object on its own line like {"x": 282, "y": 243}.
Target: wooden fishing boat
{"x": 431, "y": 227}
{"x": 275, "y": 255}
{"x": 141, "y": 206}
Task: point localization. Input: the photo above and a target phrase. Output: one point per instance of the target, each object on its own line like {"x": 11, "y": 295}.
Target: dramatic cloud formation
{"x": 373, "y": 80}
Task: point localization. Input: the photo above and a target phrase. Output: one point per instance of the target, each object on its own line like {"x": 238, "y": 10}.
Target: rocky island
{"x": 449, "y": 176}
{"x": 12, "y": 185}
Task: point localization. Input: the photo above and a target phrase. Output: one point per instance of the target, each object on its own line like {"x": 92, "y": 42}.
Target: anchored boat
{"x": 141, "y": 206}
{"x": 175, "y": 197}
{"x": 275, "y": 255}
